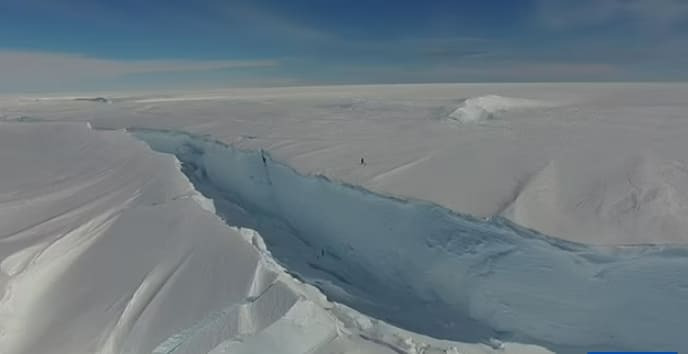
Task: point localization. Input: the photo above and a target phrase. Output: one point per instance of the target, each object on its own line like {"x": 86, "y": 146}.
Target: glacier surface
{"x": 107, "y": 247}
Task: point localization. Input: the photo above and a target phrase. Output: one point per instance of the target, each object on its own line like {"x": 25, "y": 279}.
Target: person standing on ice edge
{"x": 262, "y": 156}
{"x": 363, "y": 163}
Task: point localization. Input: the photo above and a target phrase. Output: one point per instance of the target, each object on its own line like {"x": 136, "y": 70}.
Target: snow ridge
{"x": 426, "y": 269}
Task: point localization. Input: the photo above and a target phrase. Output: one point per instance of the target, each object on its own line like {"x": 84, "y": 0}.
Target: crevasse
{"x": 427, "y": 269}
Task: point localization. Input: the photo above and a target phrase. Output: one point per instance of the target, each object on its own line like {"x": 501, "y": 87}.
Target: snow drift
{"x": 427, "y": 269}
{"x": 482, "y": 108}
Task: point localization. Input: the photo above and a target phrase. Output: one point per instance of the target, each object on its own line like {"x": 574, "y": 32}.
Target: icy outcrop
{"x": 482, "y": 108}
{"x": 426, "y": 269}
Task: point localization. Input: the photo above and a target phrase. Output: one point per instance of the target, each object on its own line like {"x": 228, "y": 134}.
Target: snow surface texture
{"x": 106, "y": 247}
{"x": 594, "y": 163}
{"x": 428, "y": 270}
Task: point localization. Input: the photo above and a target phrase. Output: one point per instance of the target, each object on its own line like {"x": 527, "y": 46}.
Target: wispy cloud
{"x": 264, "y": 21}
{"x": 655, "y": 14}
{"x": 38, "y": 67}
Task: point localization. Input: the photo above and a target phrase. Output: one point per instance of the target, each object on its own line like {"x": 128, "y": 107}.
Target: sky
{"x": 58, "y": 45}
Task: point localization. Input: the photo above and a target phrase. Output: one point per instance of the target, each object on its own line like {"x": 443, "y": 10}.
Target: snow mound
{"x": 621, "y": 202}
{"x": 482, "y": 108}
{"x": 428, "y": 270}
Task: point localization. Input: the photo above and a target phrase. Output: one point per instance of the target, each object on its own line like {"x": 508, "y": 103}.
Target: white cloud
{"x": 657, "y": 14}
{"x": 41, "y": 67}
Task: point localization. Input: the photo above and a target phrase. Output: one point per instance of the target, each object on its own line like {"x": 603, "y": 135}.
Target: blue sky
{"x": 50, "y": 45}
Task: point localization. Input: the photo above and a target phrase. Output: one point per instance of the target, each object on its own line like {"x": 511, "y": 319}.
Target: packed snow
{"x": 202, "y": 247}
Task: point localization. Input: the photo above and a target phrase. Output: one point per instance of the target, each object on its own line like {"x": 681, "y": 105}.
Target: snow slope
{"x": 106, "y": 247}
{"x": 103, "y": 245}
